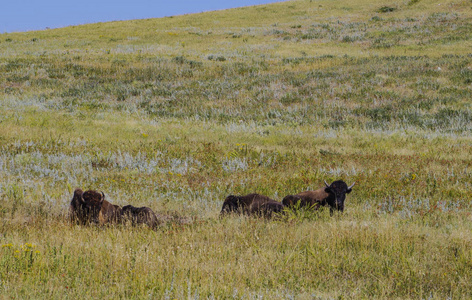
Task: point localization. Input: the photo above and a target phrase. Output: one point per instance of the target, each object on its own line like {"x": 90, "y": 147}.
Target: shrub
{"x": 386, "y": 9}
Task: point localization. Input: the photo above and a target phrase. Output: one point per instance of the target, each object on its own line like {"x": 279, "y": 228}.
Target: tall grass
{"x": 177, "y": 113}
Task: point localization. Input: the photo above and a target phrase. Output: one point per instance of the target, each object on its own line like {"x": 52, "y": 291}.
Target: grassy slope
{"x": 176, "y": 113}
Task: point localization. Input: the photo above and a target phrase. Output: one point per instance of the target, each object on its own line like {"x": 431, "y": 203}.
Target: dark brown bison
{"x": 332, "y": 195}
{"x": 91, "y": 207}
{"x": 77, "y": 210}
{"x": 107, "y": 213}
{"x": 252, "y": 204}
{"x": 140, "y": 215}
{"x": 269, "y": 208}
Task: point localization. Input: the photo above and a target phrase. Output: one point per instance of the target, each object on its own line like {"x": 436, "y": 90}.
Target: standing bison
{"x": 332, "y": 195}
{"x": 251, "y": 204}
{"x": 140, "y": 215}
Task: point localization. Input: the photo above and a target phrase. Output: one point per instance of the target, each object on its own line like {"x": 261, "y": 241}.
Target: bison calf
{"x": 332, "y": 195}
{"x": 252, "y": 204}
{"x": 140, "y": 215}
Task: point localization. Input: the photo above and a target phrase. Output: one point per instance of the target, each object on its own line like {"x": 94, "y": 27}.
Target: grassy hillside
{"x": 179, "y": 112}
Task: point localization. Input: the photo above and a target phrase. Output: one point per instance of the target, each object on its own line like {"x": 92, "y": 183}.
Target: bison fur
{"x": 251, "y": 204}
{"x": 140, "y": 215}
{"x": 332, "y": 195}
{"x": 91, "y": 207}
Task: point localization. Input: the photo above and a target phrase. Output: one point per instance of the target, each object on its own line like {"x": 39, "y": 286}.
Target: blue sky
{"x": 25, "y": 15}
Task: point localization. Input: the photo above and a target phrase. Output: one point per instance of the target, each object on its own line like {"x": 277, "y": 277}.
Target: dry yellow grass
{"x": 177, "y": 113}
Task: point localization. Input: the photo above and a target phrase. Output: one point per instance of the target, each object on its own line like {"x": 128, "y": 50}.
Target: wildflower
{"x": 413, "y": 176}
{"x": 7, "y": 245}
{"x": 145, "y": 135}
{"x": 29, "y": 245}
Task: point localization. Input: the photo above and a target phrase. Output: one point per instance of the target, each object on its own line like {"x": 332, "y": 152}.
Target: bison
{"x": 91, "y": 207}
{"x": 251, "y": 204}
{"x": 140, "y": 215}
{"x": 332, "y": 195}
{"x": 103, "y": 212}
{"x": 77, "y": 210}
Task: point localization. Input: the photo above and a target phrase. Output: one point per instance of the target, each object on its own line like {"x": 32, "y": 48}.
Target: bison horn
{"x": 327, "y": 185}
{"x": 103, "y": 196}
{"x": 350, "y": 187}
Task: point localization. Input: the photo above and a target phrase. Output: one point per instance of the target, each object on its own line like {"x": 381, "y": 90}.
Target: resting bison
{"x": 140, "y": 215}
{"x": 77, "y": 210}
{"x": 252, "y": 204}
{"x": 91, "y": 207}
{"x": 332, "y": 195}
{"x": 107, "y": 212}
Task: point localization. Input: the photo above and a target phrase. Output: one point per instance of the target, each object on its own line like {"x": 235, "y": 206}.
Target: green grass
{"x": 179, "y": 112}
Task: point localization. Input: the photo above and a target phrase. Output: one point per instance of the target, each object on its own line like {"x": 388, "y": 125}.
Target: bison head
{"x": 92, "y": 204}
{"x": 291, "y": 200}
{"x": 77, "y": 200}
{"x": 76, "y": 208}
{"x": 128, "y": 208}
{"x": 232, "y": 204}
{"x": 129, "y": 211}
{"x": 337, "y": 191}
